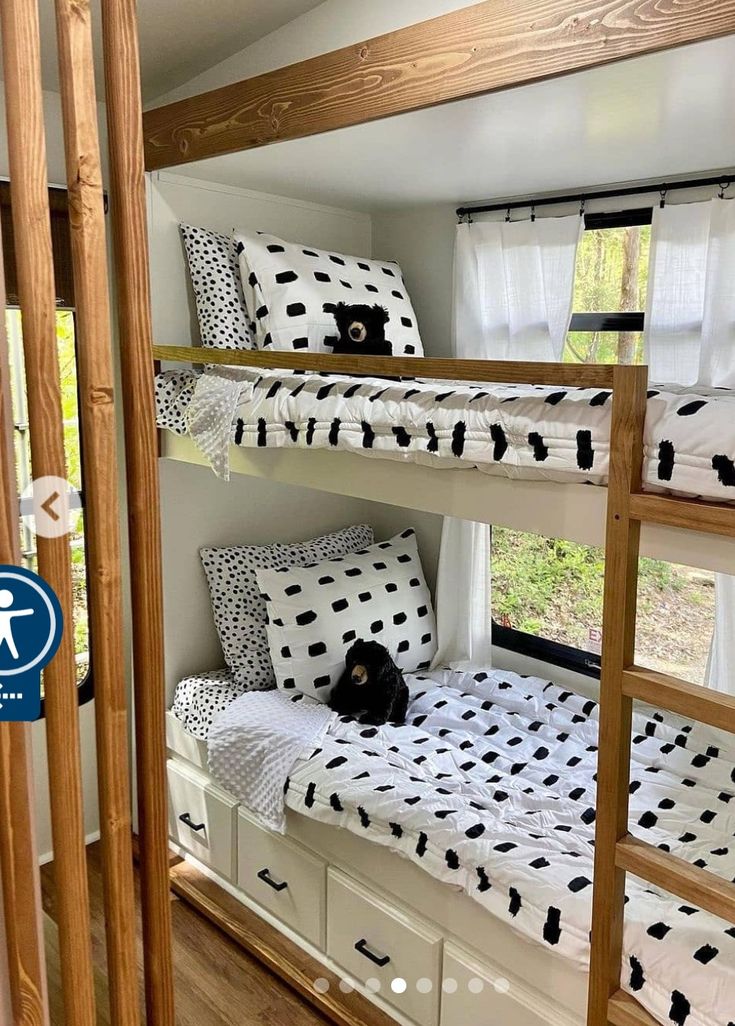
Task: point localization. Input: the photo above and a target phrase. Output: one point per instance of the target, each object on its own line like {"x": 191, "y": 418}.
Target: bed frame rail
{"x": 509, "y": 372}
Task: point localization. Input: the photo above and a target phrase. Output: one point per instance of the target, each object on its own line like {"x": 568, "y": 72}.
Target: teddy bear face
{"x": 361, "y": 328}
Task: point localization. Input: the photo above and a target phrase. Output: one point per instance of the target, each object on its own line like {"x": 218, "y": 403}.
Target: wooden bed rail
{"x": 511, "y": 372}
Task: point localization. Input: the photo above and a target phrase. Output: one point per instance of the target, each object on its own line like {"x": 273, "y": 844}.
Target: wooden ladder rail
{"x": 617, "y": 852}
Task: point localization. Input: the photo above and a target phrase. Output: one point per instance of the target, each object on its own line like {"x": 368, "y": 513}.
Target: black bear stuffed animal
{"x": 372, "y": 687}
{"x": 361, "y": 330}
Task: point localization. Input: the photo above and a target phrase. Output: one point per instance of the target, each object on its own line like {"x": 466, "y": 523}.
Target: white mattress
{"x": 490, "y": 787}
{"x": 522, "y": 431}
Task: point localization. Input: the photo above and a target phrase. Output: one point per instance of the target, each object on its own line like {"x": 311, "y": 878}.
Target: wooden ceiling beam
{"x": 488, "y": 46}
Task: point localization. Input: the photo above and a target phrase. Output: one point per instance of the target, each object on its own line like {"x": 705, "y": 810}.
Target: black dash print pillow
{"x": 316, "y": 612}
{"x": 215, "y": 278}
{"x": 239, "y": 611}
{"x": 293, "y": 289}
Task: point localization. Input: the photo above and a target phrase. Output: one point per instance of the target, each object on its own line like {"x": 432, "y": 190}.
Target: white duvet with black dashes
{"x": 490, "y": 786}
{"x": 522, "y": 431}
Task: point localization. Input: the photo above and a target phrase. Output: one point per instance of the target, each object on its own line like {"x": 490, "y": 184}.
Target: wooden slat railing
{"x": 128, "y": 206}
{"x": 28, "y": 172}
{"x": 19, "y": 875}
{"x": 102, "y": 505}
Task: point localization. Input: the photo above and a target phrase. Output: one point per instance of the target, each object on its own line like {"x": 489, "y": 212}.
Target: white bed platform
{"x": 342, "y": 890}
{"x": 575, "y": 512}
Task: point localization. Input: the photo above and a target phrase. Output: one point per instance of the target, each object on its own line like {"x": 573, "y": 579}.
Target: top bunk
{"x": 551, "y": 437}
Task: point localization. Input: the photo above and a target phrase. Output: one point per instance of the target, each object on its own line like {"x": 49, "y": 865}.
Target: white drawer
{"x": 376, "y": 942}
{"x": 282, "y": 877}
{"x": 202, "y": 818}
{"x": 474, "y": 993}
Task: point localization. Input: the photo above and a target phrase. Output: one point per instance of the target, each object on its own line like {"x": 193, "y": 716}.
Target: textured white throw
{"x": 244, "y": 758}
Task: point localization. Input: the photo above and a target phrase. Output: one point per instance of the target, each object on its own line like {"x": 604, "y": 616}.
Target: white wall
{"x": 422, "y": 241}
{"x": 57, "y": 175}
{"x": 333, "y": 24}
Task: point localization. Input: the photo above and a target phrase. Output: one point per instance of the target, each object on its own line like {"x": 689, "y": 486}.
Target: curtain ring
{"x": 533, "y": 212}
{"x": 581, "y": 207}
{"x": 662, "y": 194}
{"x": 507, "y": 216}
{"x": 724, "y": 186}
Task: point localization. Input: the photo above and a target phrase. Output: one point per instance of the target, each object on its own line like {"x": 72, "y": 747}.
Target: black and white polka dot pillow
{"x": 238, "y": 609}
{"x": 292, "y": 291}
{"x": 215, "y": 278}
{"x": 316, "y": 612}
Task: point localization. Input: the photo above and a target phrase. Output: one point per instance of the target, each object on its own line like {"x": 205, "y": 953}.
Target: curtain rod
{"x": 724, "y": 180}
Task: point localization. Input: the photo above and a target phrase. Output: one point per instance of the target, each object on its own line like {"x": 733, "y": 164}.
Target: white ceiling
{"x": 181, "y": 38}
{"x": 667, "y": 114}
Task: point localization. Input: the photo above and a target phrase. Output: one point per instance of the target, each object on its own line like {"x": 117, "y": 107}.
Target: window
{"x": 610, "y": 289}
{"x": 547, "y": 603}
{"x": 547, "y": 593}
{"x": 66, "y": 342}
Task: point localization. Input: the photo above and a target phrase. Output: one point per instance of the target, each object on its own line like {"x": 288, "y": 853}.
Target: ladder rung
{"x": 691, "y": 514}
{"x": 624, "y": 1010}
{"x": 690, "y": 883}
{"x": 694, "y": 701}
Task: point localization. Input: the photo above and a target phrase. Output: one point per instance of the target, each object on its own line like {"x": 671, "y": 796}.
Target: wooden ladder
{"x": 617, "y": 852}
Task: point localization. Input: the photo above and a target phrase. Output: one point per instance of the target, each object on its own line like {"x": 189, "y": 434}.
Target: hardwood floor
{"x": 217, "y": 984}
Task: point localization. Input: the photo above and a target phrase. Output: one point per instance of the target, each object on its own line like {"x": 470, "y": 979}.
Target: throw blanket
{"x": 242, "y": 754}
{"x": 490, "y": 786}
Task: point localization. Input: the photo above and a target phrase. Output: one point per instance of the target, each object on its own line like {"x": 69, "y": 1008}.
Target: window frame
{"x": 534, "y": 646}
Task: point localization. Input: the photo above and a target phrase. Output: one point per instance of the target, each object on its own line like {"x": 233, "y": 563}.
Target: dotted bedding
{"x": 490, "y": 787}
{"x": 199, "y": 697}
{"x": 521, "y": 431}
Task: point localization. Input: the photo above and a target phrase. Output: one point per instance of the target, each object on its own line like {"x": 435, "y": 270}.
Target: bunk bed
{"x": 484, "y": 47}
{"x": 313, "y": 418}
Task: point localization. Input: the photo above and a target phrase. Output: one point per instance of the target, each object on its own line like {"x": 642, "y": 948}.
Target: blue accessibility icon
{"x": 31, "y": 624}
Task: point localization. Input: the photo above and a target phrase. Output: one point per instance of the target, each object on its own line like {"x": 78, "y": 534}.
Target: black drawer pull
{"x": 266, "y": 877}
{"x": 380, "y": 960}
{"x": 186, "y": 818}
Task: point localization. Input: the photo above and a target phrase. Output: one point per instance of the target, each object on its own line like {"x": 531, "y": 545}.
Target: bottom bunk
{"x": 489, "y": 788}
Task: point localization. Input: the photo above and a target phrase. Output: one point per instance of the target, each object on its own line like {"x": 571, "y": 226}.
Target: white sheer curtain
{"x": 513, "y": 287}
{"x": 690, "y": 320}
{"x": 514, "y": 283}
{"x": 690, "y": 340}
{"x": 463, "y": 611}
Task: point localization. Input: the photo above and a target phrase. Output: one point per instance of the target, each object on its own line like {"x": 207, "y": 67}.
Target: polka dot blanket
{"x": 490, "y": 786}
{"x": 521, "y": 431}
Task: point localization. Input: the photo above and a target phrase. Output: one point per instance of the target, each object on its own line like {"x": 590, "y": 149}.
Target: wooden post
{"x": 31, "y": 223}
{"x": 102, "y": 505}
{"x": 616, "y": 709}
{"x": 124, "y": 120}
{"x": 21, "y": 886}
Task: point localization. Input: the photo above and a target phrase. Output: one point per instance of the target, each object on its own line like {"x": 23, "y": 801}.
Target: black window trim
{"x": 532, "y": 645}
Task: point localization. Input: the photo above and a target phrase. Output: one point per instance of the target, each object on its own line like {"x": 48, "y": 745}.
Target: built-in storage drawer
{"x": 284, "y": 878}
{"x": 473, "y": 993}
{"x": 384, "y": 948}
{"x": 202, "y": 818}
